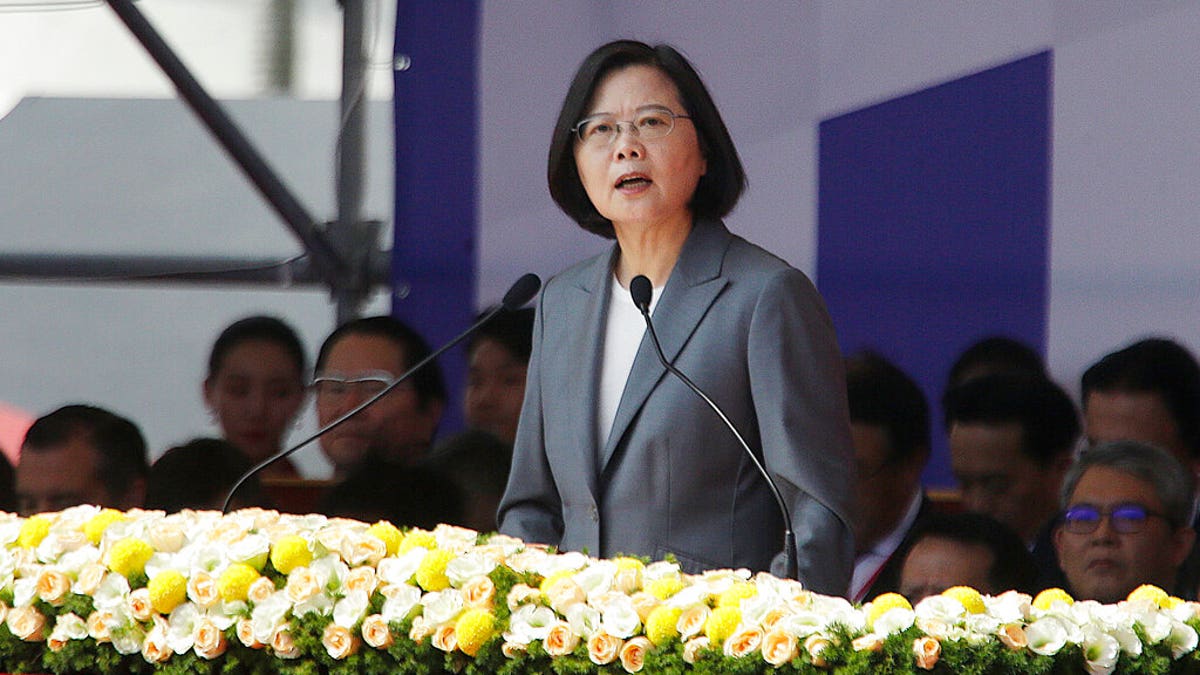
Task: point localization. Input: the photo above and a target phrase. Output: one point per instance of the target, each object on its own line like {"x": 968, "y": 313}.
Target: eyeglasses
{"x": 649, "y": 124}
{"x": 335, "y": 387}
{"x": 1124, "y": 518}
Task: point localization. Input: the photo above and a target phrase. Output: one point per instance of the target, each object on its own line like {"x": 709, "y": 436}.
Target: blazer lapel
{"x": 694, "y": 285}
{"x": 592, "y": 286}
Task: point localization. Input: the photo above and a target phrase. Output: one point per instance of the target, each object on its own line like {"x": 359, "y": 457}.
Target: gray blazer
{"x": 754, "y": 335}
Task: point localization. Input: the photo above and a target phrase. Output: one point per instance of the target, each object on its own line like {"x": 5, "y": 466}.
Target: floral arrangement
{"x": 257, "y": 591}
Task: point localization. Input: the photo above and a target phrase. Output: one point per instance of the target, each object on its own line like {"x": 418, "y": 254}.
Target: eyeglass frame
{"x": 380, "y": 377}
{"x": 1110, "y": 512}
{"x": 577, "y": 130}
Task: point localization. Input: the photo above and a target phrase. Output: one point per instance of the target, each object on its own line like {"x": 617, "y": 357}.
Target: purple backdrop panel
{"x": 933, "y": 224}
{"x": 436, "y": 128}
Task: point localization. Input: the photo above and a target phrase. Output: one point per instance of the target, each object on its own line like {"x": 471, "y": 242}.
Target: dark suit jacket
{"x": 753, "y": 334}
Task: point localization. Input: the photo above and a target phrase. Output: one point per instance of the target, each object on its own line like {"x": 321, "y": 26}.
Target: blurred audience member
{"x": 360, "y": 359}
{"x": 14, "y": 422}
{"x": 1148, "y": 392}
{"x": 1126, "y": 521}
{"x": 965, "y": 549}
{"x": 199, "y": 474}
{"x": 406, "y": 496}
{"x": 498, "y": 358}
{"x": 478, "y": 463}
{"x": 8, "y": 490}
{"x": 889, "y": 424}
{"x": 81, "y": 454}
{"x": 996, "y": 354}
{"x": 255, "y": 388}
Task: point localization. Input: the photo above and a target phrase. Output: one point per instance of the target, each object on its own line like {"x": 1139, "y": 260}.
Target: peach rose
{"x": 479, "y": 593}
{"x": 3, "y": 611}
{"x": 362, "y": 579}
{"x": 512, "y": 650}
{"x": 202, "y": 589}
{"x": 604, "y": 648}
{"x": 779, "y": 647}
{"x": 166, "y": 536}
{"x": 139, "y": 604}
{"x": 691, "y": 621}
{"x": 260, "y": 589}
{"x": 444, "y": 638}
{"x": 927, "y": 651}
{"x": 302, "y": 584}
{"x": 522, "y": 594}
{"x": 628, "y": 579}
{"x": 245, "y": 634}
{"x": 743, "y": 642}
{"x": 633, "y": 654}
{"x": 284, "y": 645}
{"x": 815, "y": 644}
{"x": 228, "y": 531}
{"x": 644, "y": 603}
{"x": 1013, "y": 636}
{"x": 97, "y": 625}
{"x": 155, "y": 648}
{"x": 773, "y": 616}
{"x": 693, "y": 647}
{"x": 339, "y": 642}
{"x": 207, "y": 640}
{"x": 563, "y": 594}
{"x": 867, "y": 643}
{"x": 376, "y": 632}
{"x": 560, "y": 639}
{"x": 89, "y": 578}
{"x": 363, "y": 550}
{"x": 421, "y": 629}
{"x": 52, "y": 587}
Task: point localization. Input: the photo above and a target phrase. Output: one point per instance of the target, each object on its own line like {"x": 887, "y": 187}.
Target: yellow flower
{"x": 733, "y": 596}
{"x": 168, "y": 590}
{"x": 665, "y": 587}
{"x": 553, "y": 579}
{"x": 33, "y": 531}
{"x": 128, "y": 557}
{"x": 474, "y": 628}
{"x": 235, "y": 581}
{"x": 721, "y": 624}
{"x": 661, "y": 624}
{"x": 417, "y": 537}
{"x": 289, "y": 552}
{"x": 1157, "y": 596}
{"x": 969, "y": 597}
{"x": 389, "y": 534}
{"x": 431, "y": 575}
{"x": 94, "y": 528}
{"x": 1047, "y": 598}
{"x": 884, "y": 602}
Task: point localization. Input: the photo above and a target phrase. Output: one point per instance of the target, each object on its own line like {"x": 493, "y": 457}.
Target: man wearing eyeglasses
{"x": 1125, "y": 522}
{"x": 360, "y": 359}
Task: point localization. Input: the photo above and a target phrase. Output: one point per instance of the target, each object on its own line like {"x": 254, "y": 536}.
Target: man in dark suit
{"x": 889, "y": 423}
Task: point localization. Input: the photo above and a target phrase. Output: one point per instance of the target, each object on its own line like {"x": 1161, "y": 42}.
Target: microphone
{"x": 641, "y": 290}
{"x": 520, "y": 293}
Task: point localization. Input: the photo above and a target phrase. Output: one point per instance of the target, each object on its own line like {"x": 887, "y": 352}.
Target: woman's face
{"x": 255, "y": 394}
{"x": 637, "y": 182}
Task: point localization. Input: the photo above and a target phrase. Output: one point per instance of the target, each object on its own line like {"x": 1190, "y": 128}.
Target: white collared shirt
{"x": 869, "y": 563}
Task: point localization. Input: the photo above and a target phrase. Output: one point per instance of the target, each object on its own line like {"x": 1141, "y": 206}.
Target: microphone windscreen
{"x": 522, "y": 291}
{"x": 641, "y": 290}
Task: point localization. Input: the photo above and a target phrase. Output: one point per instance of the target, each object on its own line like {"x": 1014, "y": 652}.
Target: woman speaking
{"x": 614, "y": 455}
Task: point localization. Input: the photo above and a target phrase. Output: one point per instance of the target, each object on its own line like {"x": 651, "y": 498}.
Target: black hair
{"x": 428, "y": 381}
{"x": 264, "y": 328}
{"x": 1155, "y": 366}
{"x": 511, "y": 329}
{"x": 117, "y": 441}
{"x": 1047, "y": 416}
{"x": 995, "y": 354}
{"x": 1013, "y": 566}
{"x": 198, "y": 474}
{"x": 719, "y": 188}
{"x": 8, "y": 486}
{"x": 405, "y": 495}
{"x": 882, "y": 395}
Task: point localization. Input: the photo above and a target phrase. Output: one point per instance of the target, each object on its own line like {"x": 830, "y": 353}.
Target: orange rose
{"x": 927, "y": 651}
{"x": 779, "y": 647}
{"x": 633, "y": 654}
{"x": 604, "y": 648}
{"x": 560, "y": 640}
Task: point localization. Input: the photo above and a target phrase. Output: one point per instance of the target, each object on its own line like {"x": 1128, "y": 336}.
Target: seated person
{"x": 81, "y": 454}
{"x": 360, "y": 359}
{"x": 199, "y": 474}
{"x": 996, "y": 354}
{"x": 498, "y": 358}
{"x": 406, "y": 496}
{"x": 1126, "y": 521}
{"x": 965, "y": 549}
{"x": 255, "y": 388}
{"x": 478, "y": 463}
{"x": 889, "y": 424}
{"x": 8, "y": 493}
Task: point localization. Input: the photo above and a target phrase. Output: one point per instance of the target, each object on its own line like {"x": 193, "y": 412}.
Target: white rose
{"x": 465, "y": 567}
{"x": 399, "y": 570}
{"x": 348, "y": 610}
{"x": 249, "y": 549}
